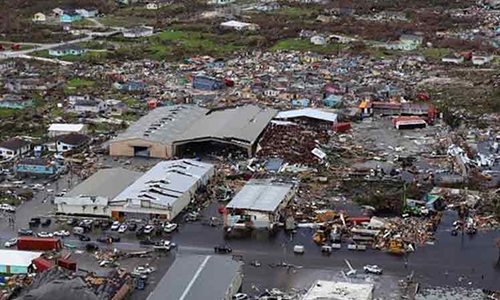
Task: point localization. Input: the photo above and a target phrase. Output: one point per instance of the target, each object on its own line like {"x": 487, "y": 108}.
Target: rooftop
{"x": 197, "y": 278}
{"x": 331, "y": 290}
{"x": 17, "y": 258}
{"x": 163, "y": 124}
{"x": 105, "y": 183}
{"x": 66, "y": 127}
{"x": 260, "y": 195}
{"x": 309, "y": 113}
{"x": 165, "y": 182}
{"x": 14, "y": 144}
{"x": 241, "y": 124}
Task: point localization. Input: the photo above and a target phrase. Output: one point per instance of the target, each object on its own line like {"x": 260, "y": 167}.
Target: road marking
{"x": 196, "y": 275}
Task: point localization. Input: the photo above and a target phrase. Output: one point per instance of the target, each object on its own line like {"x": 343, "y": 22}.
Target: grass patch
{"x": 125, "y": 21}
{"x": 129, "y": 101}
{"x": 296, "y": 11}
{"x": 305, "y": 45}
{"x": 436, "y": 52}
{"x": 83, "y": 23}
{"x": 76, "y": 83}
{"x": 7, "y": 112}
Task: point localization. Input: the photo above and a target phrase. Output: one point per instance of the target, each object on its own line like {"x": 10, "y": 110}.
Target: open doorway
{"x": 141, "y": 151}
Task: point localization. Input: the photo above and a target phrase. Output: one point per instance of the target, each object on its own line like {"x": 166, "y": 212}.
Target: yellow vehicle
{"x": 396, "y": 247}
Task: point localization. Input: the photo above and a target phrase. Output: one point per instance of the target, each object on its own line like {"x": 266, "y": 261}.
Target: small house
{"x": 207, "y": 83}
{"x": 87, "y": 12}
{"x": 39, "y": 17}
{"x": 119, "y": 109}
{"x": 38, "y": 167}
{"x": 480, "y": 59}
{"x": 71, "y": 141}
{"x": 67, "y": 50}
{"x": 453, "y": 59}
{"x": 70, "y": 17}
{"x": 90, "y": 106}
{"x": 16, "y": 101}
{"x": 136, "y": 32}
{"x": 14, "y": 148}
{"x": 412, "y": 39}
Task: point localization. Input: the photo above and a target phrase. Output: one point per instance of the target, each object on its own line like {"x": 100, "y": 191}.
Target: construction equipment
{"x": 319, "y": 237}
{"x": 396, "y": 247}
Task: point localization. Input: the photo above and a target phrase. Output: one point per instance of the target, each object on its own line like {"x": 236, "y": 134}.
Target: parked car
{"x": 116, "y": 225}
{"x": 373, "y": 269}
{"x": 222, "y": 249}
{"x": 25, "y": 231}
{"x": 148, "y": 229}
{"x": 106, "y": 225}
{"x": 169, "y": 227}
{"x": 132, "y": 227}
{"x": 44, "y": 234}
{"x": 34, "y": 222}
{"x": 84, "y": 238}
{"x": 108, "y": 239}
{"x": 163, "y": 245}
{"x": 11, "y": 243}
{"x": 141, "y": 284}
{"x": 46, "y": 222}
{"x": 122, "y": 228}
{"x": 71, "y": 222}
{"x": 61, "y": 233}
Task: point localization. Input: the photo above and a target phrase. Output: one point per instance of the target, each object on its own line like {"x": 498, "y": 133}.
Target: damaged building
{"x": 259, "y": 204}
{"x": 162, "y": 192}
{"x": 183, "y": 129}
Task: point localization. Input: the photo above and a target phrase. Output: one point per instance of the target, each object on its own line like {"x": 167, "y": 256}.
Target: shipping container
{"x": 66, "y": 264}
{"x": 342, "y": 127}
{"x": 41, "y": 244}
{"x": 42, "y": 264}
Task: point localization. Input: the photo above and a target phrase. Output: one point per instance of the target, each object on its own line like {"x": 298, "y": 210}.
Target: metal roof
{"x": 17, "y": 258}
{"x": 197, "y": 277}
{"x": 166, "y": 182}
{"x": 243, "y": 123}
{"x": 66, "y": 127}
{"x": 105, "y": 183}
{"x": 164, "y": 124}
{"x": 308, "y": 113}
{"x": 260, "y": 195}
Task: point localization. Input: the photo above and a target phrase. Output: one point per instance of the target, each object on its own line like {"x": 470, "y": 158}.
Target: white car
{"x": 148, "y": 229}
{"x": 61, "y": 233}
{"x": 11, "y": 243}
{"x": 373, "y": 269}
{"x": 122, "y": 228}
{"x": 169, "y": 227}
{"x": 116, "y": 225}
{"x": 240, "y": 296}
{"x": 8, "y": 207}
{"x": 144, "y": 270}
{"x": 88, "y": 222}
{"x": 44, "y": 234}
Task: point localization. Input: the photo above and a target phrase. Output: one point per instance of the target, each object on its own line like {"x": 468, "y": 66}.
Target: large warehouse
{"x": 197, "y": 277}
{"x": 172, "y": 131}
{"x": 92, "y": 196}
{"x": 162, "y": 192}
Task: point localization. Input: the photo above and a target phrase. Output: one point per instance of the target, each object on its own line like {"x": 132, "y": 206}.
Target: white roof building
{"x": 239, "y": 25}
{"x": 61, "y": 129}
{"x": 15, "y": 261}
{"x": 308, "y": 113}
{"x": 331, "y": 290}
{"x": 165, "y": 190}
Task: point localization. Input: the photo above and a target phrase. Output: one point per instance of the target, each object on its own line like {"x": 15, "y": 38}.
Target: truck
{"x": 40, "y": 244}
